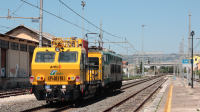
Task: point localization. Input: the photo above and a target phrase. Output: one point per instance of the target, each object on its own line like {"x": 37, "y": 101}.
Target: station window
{"x": 4, "y": 44}
{"x": 23, "y": 47}
{"x": 14, "y": 46}
{"x": 31, "y": 48}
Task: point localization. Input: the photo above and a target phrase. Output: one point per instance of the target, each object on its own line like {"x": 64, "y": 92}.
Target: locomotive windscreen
{"x": 68, "y": 57}
{"x": 45, "y": 57}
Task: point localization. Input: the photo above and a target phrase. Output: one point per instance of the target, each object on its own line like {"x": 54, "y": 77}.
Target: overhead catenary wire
{"x": 18, "y": 8}
{"x": 28, "y": 21}
{"x": 88, "y": 21}
{"x": 197, "y": 45}
{"x": 79, "y": 26}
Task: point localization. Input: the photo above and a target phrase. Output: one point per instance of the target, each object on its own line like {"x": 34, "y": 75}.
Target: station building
{"x": 125, "y": 67}
{"x": 16, "y": 51}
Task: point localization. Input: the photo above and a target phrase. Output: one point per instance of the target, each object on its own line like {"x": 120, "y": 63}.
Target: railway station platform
{"x": 176, "y": 96}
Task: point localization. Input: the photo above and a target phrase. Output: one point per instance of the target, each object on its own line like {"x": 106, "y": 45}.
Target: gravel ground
{"x": 19, "y": 103}
{"x": 24, "y": 102}
{"x": 109, "y": 101}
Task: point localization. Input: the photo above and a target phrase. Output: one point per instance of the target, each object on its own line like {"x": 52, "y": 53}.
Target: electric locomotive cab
{"x": 59, "y": 71}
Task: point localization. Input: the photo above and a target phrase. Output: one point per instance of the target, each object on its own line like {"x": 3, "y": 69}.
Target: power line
{"x": 29, "y": 21}
{"x": 5, "y": 27}
{"x": 87, "y": 20}
{"x": 55, "y": 15}
{"x": 79, "y": 26}
{"x": 18, "y": 7}
{"x": 197, "y": 45}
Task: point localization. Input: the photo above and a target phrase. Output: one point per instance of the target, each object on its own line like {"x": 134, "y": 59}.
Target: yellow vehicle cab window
{"x": 45, "y": 57}
{"x": 94, "y": 62}
{"x": 68, "y": 57}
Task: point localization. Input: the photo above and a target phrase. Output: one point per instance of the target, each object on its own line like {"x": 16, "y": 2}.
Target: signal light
{"x": 68, "y": 78}
{"x": 41, "y": 78}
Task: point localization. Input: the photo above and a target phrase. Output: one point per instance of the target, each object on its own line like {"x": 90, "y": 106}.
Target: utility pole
{"x": 182, "y": 57}
{"x": 179, "y": 61}
{"x": 41, "y": 18}
{"x": 83, "y": 4}
{"x": 174, "y": 66}
{"x": 189, "y": 46}
{"x": 142, "y": 52}
{"x": 154, "y": 68}
{"x": 100, "y": 33}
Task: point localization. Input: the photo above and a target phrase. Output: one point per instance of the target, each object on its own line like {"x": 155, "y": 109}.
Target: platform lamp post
{"x": 192, "y": 34}
{"x": 83, "y": 4}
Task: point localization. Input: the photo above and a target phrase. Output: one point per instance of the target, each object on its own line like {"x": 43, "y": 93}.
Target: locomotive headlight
{"x": 57, "y": 49}
{"x": 63, "y": 86}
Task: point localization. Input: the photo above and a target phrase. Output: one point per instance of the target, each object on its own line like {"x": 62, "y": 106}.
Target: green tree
{"x": 141, "y": 67}
{"x": 145, "y": 70}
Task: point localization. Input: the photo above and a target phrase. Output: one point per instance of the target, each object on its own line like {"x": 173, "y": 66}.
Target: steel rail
{"x": 89, "y": 99}
{"x": 141, "y": 104}
{"x": 14, "y": 92}
{"x": 126, "y": 99}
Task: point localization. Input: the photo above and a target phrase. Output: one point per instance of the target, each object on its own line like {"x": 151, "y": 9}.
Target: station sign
{"x": 185, "y": 61}
{"x": 35, "y": 20}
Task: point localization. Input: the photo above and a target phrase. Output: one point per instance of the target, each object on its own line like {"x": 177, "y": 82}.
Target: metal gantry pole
{"x": 174, "y": 66}
{"x": 182, "y": 57}
{"x": 189, "y": 47}
{"x": 100, "y": 33}
{"x": 142, "y": 52}
{"x": 83, "y": 4}
{"x": 41, "y": 18}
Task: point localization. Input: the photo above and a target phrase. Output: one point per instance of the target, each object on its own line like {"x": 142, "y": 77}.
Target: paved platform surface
{"x": 177, "y": 96}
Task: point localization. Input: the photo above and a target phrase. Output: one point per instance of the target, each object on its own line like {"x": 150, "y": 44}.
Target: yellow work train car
{"x": 68, "y": 71}
{"x": 59, "y": 71}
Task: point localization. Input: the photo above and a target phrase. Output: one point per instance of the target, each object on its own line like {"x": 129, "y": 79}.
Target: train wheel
{"x": 114, "y": 88}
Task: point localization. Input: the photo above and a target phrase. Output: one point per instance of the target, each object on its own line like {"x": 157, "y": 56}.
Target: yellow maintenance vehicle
{"x": 63, "y": 72}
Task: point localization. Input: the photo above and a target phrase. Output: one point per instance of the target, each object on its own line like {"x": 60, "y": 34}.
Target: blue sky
{"x": 166, "y": 21}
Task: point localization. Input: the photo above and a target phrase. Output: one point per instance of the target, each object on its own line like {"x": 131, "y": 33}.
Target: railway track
{"x": 61, "y": 106}
{"x": 14, "y": 92}
{"x": 137, "y": 99}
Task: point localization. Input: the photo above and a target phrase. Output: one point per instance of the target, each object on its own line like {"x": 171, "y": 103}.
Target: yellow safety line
{"x": 169, "y": 100}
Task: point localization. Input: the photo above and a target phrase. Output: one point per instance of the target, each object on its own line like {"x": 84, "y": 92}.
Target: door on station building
{"x": 30, "y": 50}
{"x": 30, "y": 62}
{"x": 3, "y": 63}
